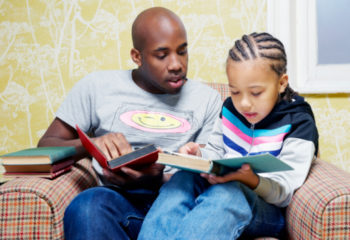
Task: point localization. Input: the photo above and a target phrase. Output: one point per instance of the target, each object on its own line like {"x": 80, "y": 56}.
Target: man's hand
{"x": 244, "y": 175}
{"x": 113, "y": 145}
{"x": 148, "y": 177}
{"x": 60, "y": 133}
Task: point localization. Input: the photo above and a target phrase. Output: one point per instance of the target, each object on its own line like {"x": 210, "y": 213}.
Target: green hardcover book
{"x": 259, "y": 163}
{"x": 40, "y": 155}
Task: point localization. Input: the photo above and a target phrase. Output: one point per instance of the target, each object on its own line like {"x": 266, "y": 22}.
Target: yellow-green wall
{"x": 47, "y": 46}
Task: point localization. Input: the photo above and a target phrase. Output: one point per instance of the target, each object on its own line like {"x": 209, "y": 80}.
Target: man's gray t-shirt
{"x": 110, "y": 101}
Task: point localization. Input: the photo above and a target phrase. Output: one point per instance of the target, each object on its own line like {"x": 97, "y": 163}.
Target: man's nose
{"x": 174, "y": 63}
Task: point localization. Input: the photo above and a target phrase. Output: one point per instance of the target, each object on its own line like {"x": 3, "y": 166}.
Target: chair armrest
{"x": 33, "y": 208}
{"x": 320, "y": 209}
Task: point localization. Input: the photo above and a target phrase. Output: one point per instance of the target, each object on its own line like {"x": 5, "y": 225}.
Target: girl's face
{"x": 254, "y": 87}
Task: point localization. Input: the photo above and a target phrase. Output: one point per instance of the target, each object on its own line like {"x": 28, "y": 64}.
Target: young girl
{"x": 263, "y": 115}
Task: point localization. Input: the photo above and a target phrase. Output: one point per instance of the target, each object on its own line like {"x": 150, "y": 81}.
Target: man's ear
{"x": 136, "y": 56}
{"x": 283, "y": 83}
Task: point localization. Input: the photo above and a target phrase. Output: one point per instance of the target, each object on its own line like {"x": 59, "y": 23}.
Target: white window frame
{"x": 294, "y": 23}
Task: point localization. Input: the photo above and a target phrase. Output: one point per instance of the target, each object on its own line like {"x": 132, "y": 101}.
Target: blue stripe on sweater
{"x": 257, "y": 133}
{"x": 243, "y": 152}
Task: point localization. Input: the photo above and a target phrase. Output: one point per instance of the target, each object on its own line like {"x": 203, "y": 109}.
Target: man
{"x": 154, "y": 103}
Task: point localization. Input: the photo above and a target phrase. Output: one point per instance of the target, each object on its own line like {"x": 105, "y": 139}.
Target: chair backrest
{"x": 222, "y": 88}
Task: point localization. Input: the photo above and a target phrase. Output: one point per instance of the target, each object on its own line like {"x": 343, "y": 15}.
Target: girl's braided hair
{"x": 263, "y": 45}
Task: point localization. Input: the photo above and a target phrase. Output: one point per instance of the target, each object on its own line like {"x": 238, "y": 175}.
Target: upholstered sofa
{"x": 33, "y": 208}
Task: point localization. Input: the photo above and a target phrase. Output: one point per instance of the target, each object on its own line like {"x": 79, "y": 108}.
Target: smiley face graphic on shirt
{"x": 155, "y": 122}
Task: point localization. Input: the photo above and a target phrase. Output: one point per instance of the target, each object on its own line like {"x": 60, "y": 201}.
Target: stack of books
{"x": 47, "y": 162}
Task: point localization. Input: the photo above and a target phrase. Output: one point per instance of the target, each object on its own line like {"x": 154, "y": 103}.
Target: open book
{"x": 258, "y": 163}
{"x": 138, "y": 158}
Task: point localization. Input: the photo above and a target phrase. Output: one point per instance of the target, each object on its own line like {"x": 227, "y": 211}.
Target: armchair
{"x": 33, "y": 208}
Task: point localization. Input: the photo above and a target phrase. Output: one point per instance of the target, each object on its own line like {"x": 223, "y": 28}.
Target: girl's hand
{"x": 191, "y": 148}
{"x": 244, "y": 175}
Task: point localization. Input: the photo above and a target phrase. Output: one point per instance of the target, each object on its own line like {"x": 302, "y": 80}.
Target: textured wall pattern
{"x": 332, "y": 114}
{"x": 46, "y": 46}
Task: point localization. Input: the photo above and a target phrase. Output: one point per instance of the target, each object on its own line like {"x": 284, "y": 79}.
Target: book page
{"x": 184, "y": 161}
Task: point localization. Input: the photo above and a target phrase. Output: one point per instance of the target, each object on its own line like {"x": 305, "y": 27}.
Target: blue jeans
{"x": 107, "y": 213}
{"x": 188, "y": 207}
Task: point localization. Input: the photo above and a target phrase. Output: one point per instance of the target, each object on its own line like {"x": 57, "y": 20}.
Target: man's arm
{"x": 112, "y": 145}
{"x": 60, "y": 133}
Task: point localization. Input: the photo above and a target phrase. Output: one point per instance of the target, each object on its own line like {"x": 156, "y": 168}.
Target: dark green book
{"x": 40, "y": 155}
{"x": 258, "y": 163}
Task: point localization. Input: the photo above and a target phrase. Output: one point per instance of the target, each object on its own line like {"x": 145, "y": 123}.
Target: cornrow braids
{"x": 249, "y": 44}
{"x": 234, "y": 56}
{"x": 241, "y": 49}
{"x": 263, "y": 45}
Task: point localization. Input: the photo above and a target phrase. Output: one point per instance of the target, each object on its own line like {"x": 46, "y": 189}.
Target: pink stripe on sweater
{"x": 248, "y": 139}
{"x": 236, "y": 130}
{"x": 269, "y": 139}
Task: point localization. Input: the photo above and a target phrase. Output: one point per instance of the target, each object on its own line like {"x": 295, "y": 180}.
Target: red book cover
{"x": 61, "y": 171}
{"x": 140, "y": 157}
{"x": 50, "y": 175}
{"x": 60, "y": 165}
{"x": 39, "y": 168}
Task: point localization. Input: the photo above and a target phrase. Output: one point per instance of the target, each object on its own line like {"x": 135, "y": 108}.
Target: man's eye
{"x": 161, "y": 57}
{"x": 255, "y": 94}
{"x": 183, "y": 52}
{"x": 234, "y": 93}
